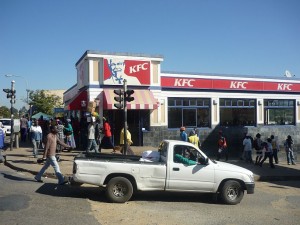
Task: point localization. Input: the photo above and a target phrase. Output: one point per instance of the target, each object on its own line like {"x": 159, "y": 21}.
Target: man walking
{"x": 24, "y": 128}
{"x": 49, "y": 156}
{"x": 92, "y": 145}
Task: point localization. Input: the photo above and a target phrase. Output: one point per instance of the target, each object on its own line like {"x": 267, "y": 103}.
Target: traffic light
{"x": 128, "y": 96}
{"x": 119, "y": 99}
{"x": 8, "y": 92}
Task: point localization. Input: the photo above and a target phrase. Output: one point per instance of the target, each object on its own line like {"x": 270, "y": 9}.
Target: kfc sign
{"x": 284, "y": 87}
{"x": 223, "y": 84}
{"x": 117, "y": 69}
{"x": 138, "y": 68}
{"x": 238, "y": 85}
{"x": 184, "y": 82}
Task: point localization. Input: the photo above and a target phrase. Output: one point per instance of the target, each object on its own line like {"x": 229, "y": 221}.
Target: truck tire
{"x": 119, "y": 190}
{"x": 232, "y": 192}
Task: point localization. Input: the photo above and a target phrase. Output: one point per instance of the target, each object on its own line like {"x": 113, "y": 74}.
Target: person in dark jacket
{"x": 288, "y": 144}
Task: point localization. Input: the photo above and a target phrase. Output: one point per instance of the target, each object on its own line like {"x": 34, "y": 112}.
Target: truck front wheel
{"x": 232, "y": 192}
{"x": 119, "y": 190}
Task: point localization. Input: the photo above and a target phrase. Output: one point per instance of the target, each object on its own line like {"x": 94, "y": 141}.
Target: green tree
{"x": 44, "y": 102}
{"x": 4, "y": 112}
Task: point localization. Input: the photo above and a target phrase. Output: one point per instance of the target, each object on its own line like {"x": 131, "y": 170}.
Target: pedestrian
{"x": 183, "y": 134}
{"x": 2, "y": 136}
{"x": 49, "y": 157}
{"x": 98, "y": 131}
{"x": 76, "y": 131}
{"x": 24, "y": 128}
{"x": 68, "y": 132}
{"x": 28, "y": 128}
{"x": 268, "y": 153}
{"x": 92, "y": 145}
{"x": 193, "y": 138}
{"x": 128, "y": 143}
{"x": 106, "y": 141}
{"x": 60, "y": 135}
{"x": 288, "y": 144}
{"x": 222, "y": 147}
{"x": 247, "y": 143}
{"x": 275, "y": 148}
{"x": 36, "y": 135}
{"x": 46, "y": 130}
{"x": 257, "y": 144}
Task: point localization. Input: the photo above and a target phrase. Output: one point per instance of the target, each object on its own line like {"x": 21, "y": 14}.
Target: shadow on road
{"x": 12, "y": 177}
{"x": 98, "y": 194}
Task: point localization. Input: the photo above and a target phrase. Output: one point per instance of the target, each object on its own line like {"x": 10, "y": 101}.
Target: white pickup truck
{"x": 181, "y": 167}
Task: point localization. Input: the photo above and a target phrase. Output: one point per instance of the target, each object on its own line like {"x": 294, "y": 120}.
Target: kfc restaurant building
{"x": 165, "y": 101}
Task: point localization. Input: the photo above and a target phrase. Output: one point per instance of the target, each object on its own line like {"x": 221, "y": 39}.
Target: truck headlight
{"x": 251, "y": 176}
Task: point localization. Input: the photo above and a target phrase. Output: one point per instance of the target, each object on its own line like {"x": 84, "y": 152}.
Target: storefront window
{"x": 188, "y": 112}
{"x": 237, "y": 112}
{"x": 279, "y": 112}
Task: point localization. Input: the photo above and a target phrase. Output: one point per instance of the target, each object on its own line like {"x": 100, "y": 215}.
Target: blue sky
{"x": 41, "y": 40}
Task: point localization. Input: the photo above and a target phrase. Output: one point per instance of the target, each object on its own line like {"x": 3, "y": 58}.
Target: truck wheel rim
{"x": 119, "y": 190}
{"x": 232, "y": 193}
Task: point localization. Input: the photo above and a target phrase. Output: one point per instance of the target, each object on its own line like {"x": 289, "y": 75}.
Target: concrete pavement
{"x": 21, "y": 159}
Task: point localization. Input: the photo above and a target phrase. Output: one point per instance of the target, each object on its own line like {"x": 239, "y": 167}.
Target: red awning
{"x": 75, "y": 103}
{"x": 143, "y": 99}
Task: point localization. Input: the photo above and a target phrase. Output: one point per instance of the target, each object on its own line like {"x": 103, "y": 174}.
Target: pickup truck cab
{"x": 181, "y": 167}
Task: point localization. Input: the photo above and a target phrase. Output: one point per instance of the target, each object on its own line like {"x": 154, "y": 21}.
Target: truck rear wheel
{"x": 119, "y": 190}
{"x": 232, "y": 192}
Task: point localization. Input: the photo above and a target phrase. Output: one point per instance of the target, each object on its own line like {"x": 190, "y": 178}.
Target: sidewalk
{"x": 21, "y": 159}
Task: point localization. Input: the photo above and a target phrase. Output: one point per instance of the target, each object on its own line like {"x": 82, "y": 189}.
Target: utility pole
{"x": 125, "y": 117}
{"x": 11, "y": 93}
{"x": 123, "y": 96}
{"x": 12, "y": 101}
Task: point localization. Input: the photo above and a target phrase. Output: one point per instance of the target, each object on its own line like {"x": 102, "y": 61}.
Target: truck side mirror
{"x": 202, "y": 160}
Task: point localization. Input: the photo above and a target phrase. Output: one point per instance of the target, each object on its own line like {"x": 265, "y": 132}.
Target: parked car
{"x": 6, "y": 125}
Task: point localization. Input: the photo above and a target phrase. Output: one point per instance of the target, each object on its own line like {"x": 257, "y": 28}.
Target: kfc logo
{"x": 138, "y": 68}
{"x": 284, "y": 87}
{"x": 238, "y": 85}
{"x": 184, "y": 82}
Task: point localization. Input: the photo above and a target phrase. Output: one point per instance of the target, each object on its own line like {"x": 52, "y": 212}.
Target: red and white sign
{"x": 136, "y": 72}
{"x": 224, "y": 84}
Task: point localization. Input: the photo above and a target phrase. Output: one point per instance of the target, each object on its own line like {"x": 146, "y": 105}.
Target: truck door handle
{"x": 175, "y": 169}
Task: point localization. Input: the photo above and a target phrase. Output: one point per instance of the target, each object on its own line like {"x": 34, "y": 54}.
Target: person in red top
{"x": 106, "y": 141}
{"x": 222, "y": 146}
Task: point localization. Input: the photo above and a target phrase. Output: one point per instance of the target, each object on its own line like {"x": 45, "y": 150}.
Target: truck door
{"x": 182, "y": 176}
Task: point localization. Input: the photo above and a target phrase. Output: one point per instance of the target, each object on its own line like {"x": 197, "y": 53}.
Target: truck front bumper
{"x": 250, "y": 188}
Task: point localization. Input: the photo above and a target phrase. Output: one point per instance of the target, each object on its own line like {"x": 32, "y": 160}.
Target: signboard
{"x": 228, "y": 84}
{"x": 136, "y": 72}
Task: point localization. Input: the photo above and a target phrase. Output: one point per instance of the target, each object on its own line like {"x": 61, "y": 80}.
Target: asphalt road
{"x": 24, "y": 201}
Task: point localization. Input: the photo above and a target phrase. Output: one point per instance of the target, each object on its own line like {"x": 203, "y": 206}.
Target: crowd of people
{"x": 264, "y": 150}
{"x": 90, "y": 134}
{"x": 54, "y": 135}
{"x": 267, "y": 149}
